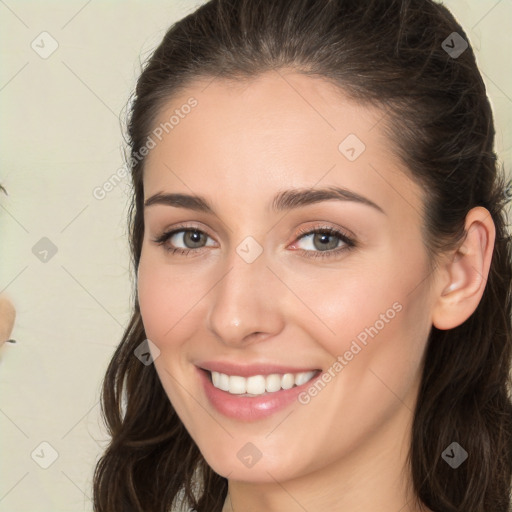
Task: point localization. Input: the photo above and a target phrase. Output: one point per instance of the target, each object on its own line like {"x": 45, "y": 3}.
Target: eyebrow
{"x": 285, "y": 200}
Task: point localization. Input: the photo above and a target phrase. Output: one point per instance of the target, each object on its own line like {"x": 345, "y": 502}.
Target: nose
{"x": 245, "y": 304}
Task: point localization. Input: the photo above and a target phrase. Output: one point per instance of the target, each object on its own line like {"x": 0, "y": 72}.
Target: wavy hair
{"x": 391, "y": 54}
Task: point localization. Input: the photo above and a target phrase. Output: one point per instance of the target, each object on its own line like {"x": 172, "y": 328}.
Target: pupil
{"x": 323, "y": 238}
{"x": 194, "y": 237}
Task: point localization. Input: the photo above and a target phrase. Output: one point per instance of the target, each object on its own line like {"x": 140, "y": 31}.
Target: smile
{"x": 257, "y": 385}
{"x": 252, "y": 392}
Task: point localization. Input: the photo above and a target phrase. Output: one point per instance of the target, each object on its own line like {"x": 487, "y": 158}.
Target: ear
{"x": 463, "y": 283}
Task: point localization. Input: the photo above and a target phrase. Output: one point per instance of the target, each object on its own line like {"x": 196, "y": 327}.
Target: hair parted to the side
{"x": 386, "y": 53}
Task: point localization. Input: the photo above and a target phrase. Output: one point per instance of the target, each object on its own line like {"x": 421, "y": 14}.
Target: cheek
{"x": 152, "y": 299}
{"x": 376, "y": 320}
{"x": 162, "y": 309}
{"x": 350, "y": 303}
{"x": 161, "y": 301}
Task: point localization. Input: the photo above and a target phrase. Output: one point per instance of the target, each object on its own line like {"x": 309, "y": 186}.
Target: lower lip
{"x": 247, "y": 408}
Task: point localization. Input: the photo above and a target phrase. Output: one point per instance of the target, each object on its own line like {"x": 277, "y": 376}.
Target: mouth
{"x": 258, "y": 385}
{"x": 252, "y": 392}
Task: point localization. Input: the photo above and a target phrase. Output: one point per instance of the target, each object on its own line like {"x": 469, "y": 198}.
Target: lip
{"x": 247, "y": 408}
{"x": 251, "y": 369}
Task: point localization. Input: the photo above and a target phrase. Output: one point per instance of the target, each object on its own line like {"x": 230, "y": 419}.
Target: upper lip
{"x": 248, "y": 370}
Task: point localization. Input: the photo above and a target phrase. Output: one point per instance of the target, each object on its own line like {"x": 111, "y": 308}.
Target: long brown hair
{"x": 389, "y": 53}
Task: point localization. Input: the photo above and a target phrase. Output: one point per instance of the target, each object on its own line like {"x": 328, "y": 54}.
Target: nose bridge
{"x": 242, "y": 304}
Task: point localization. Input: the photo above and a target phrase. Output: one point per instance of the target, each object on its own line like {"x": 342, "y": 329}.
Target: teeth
{"x": 255, "y": 385}
{"x": 237, "y": 385}
{"x": 288, "y": 381}
{"x": 259, "y": 384}
{"x": 273, "y": 382}
{"x": 223, "y": 382}
{"x": 302, "y": 378}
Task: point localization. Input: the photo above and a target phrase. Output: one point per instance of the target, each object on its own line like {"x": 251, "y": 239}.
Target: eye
{"x": 192, "y": 238}
{"x": 324, "y": 242}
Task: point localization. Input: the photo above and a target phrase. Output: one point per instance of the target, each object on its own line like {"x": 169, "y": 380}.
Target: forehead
{"x": 248, "y": 137}
{"x": 275, "y": 107}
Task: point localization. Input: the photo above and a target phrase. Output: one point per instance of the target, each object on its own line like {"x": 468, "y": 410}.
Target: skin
{"x": 7, "y": 316}
{"x": 346, "y": 449}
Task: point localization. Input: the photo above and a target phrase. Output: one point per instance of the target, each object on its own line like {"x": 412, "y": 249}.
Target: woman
{"x": 322, "y": 319}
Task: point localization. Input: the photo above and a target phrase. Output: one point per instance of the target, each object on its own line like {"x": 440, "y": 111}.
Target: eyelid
{"x": 326, "y": 226}
{"x": 167, "y": 233}
{"x": 348, "y": 240}
{"x": 343, "y": 234}
{"x": 184, "y": 227}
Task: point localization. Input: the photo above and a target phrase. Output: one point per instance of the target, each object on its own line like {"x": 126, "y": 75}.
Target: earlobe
{"x": 466, "y": 273}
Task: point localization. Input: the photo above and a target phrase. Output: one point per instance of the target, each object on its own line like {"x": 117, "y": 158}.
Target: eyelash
{"x": 325, "y": 230}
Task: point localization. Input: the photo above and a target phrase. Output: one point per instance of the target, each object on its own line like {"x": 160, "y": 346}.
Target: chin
{"x": 248, "y": 464}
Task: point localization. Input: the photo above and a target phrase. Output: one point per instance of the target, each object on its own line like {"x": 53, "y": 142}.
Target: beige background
{"x": 61, "y": 139}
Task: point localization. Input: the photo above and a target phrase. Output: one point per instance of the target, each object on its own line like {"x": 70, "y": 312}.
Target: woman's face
{"x": 261, "y": 294}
